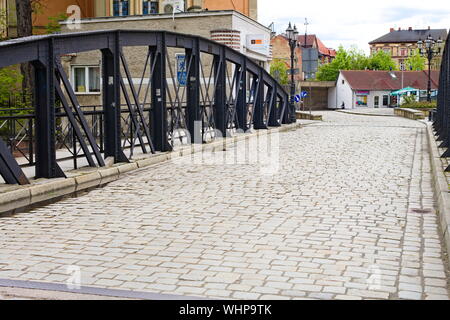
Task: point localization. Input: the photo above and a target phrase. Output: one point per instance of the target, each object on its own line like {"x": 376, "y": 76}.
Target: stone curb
{"x": 366, "y": 114}
{"x": 409, "y": 113}
{"x": 441, "y": 188}
{"x": 41, "y": 190}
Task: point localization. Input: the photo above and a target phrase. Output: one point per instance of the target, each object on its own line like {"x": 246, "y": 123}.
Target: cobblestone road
{"x": 349, "y": 215}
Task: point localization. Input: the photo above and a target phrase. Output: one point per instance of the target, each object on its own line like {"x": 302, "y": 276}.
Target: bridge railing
{"x": 442, "y": 116}
{"x": 224, "y": 91}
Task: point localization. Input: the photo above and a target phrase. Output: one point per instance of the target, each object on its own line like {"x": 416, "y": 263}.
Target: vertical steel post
{"x": 259, "y": 103}
{"x": 46, "y": 165}
{"x": 111, "y": 101}
{"x": 285, "y": 110}
{"x": 193, "y": 92}
{"x": 220, "y": 92}
{"x": 241, "y": 102}
{"x": 274, "y": 108}
{"x": 158, "y": 92}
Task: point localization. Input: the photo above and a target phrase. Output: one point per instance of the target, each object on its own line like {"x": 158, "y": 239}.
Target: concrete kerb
{"x": 366, "y": 114}
{"x": 441, "y": 188}
{"x": 44, "y": 190}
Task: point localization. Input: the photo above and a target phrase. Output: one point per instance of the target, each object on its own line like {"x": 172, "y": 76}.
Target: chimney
{"x": 391, "y": 30}
{"x": 410, "y": 29}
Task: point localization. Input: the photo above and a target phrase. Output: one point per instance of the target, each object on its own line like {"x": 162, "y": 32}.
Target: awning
{"x": 403, "y": 91}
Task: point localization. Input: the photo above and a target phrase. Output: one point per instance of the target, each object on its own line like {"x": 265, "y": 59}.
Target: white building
{"x": 372, "y": 89}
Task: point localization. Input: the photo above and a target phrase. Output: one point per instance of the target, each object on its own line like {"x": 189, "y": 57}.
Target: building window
{"x": 403, "y": 52}
{"x": 387, "y": 50}
{"x": 86, "y": 79}
{"x": 385, "y": 100}
{"x": 121, "y": 8}
{"x": 150, "y": 7}
{"x": 376, "y": 101}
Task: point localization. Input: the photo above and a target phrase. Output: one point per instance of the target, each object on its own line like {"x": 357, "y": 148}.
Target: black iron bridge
{"x": 441, "y": 119}
{"x": 225, "y": 91}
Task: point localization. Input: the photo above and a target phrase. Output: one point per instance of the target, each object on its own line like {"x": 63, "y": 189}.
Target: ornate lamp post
{"x": 429, "y": 49}
{"x": 292, "y": 35}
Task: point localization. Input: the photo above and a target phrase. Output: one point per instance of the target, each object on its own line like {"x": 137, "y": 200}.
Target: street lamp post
{"x": 429, "y": 49}
{"x": 292, "y": 35}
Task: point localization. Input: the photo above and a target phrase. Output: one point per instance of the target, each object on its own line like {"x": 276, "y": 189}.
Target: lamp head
{"x": 295, "y": 33}
{"x": 290, "y": 32}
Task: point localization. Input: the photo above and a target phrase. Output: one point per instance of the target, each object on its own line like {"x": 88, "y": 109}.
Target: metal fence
{"x": 224, "y": 92}
{"x": 441, "y": 118}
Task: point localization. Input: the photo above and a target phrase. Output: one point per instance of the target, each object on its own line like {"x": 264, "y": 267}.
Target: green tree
{"x": 381, "y": 61}
{"x": 415, "y": 62}
{"x": 358, "y": 60}
{"x": 330, "y": 71}
{"x": 278, "y": 70}
{"x": 53, "y": 26}
{"x": 10, "y": 84}
{"x": 354, "y": 59}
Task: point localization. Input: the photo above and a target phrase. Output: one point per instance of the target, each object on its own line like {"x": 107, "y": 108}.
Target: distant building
{"x": 282, "y": 52}
{"x": 3, "y": 19}
{"x": 400, "y": 44}
{"x": 144, "y": 7}
{"x": 44, "y": 11}
{"x": 368, "y": 88}
{"x": 326, "y": 55}
{"x": 8, "y": 24}
{"x": 48, "y": 9}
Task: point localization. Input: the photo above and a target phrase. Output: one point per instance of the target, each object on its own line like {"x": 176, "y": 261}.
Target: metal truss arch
{"x": 225, "y": 91}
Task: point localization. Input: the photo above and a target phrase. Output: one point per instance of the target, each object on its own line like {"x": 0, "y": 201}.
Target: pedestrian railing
{"x": 223, "y": 91}
{"x": 441, "y": 118}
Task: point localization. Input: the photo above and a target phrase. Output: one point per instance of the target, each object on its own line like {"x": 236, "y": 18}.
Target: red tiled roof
{"x": 382, "y": 80}
{"x": 312, "y": 39}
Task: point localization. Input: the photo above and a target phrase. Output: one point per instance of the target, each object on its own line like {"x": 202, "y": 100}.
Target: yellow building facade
{"x": 402, "y": 43}
{"x": 107, "y": 8}
{"x": 142, "y": 7}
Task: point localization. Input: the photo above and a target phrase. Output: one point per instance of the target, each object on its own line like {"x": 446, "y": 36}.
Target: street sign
{"x": 296, "y": 71}
{"x": 304, "y": 94}
{"x": 297, "y": 98}
{"x": 181, "y": 69}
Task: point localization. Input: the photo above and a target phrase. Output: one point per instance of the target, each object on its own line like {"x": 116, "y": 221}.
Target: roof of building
{"x": 410, "y": 35}
{"x": 312, "y": 39}
{"x": 389, "y": 80}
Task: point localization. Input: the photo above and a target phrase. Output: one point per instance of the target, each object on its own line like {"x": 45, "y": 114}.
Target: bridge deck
{"x": 349, "y": 214}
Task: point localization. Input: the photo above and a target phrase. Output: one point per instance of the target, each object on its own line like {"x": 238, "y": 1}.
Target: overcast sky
{"x": 354, "y": 22}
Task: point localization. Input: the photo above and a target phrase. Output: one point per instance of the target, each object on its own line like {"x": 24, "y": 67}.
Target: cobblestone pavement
{"x": 350, "y": 215}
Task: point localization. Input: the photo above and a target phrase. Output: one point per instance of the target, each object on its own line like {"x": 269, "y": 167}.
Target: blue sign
{"x": 181, "y": 69}
{"x": 304, "y": 94}
{"x": 297, "y": 98}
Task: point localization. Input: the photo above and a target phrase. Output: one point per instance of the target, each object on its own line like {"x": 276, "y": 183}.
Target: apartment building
{"x": 402, "y": 43}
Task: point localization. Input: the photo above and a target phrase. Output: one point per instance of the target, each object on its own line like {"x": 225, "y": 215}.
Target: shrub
{"x": 419, "y": 105}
